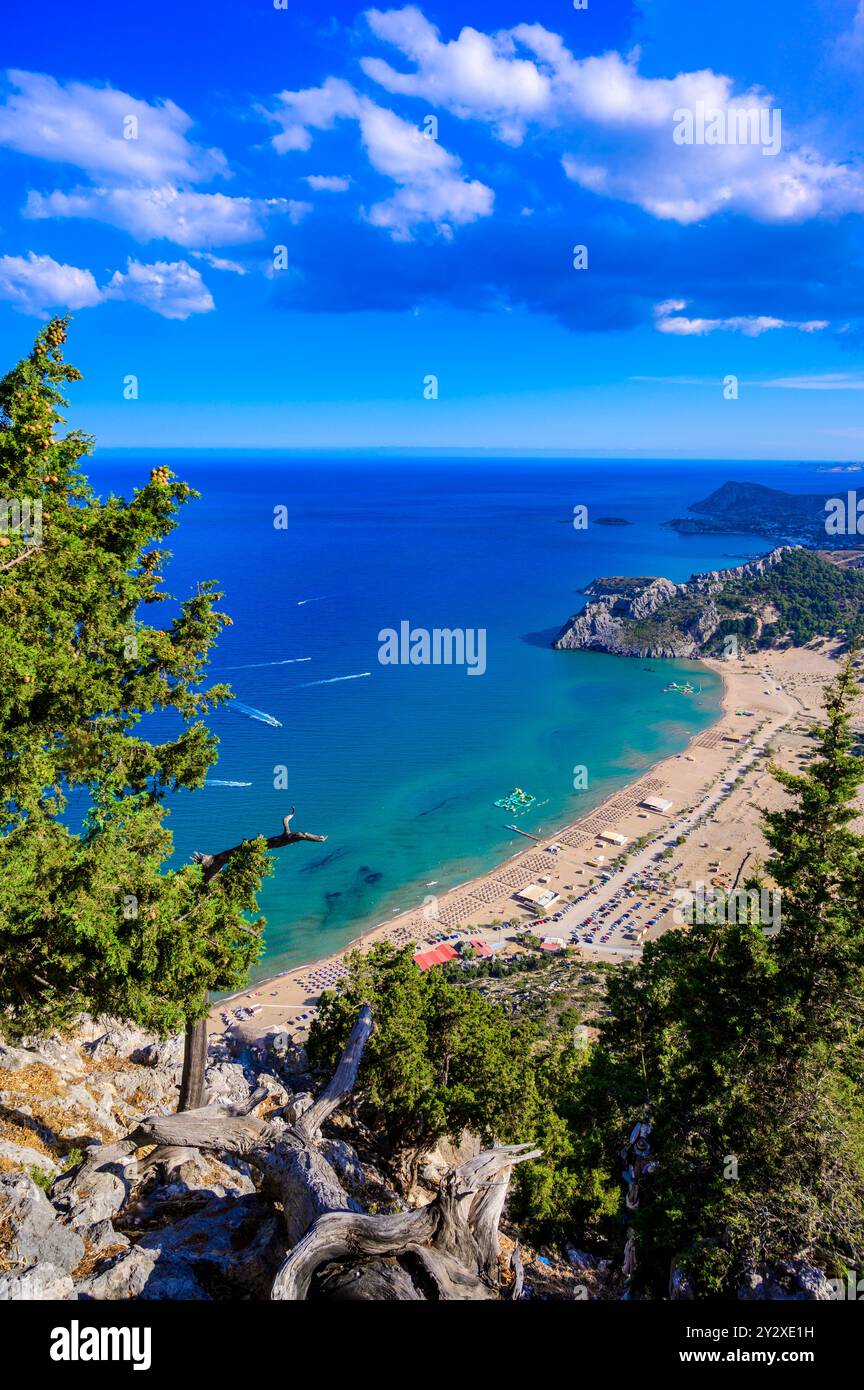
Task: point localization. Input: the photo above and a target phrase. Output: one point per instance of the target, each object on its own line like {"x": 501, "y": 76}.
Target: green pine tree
{"x": 442, "y": 1058}
{"x": 94, "y": 920}
{"x": 746, "y": 1048}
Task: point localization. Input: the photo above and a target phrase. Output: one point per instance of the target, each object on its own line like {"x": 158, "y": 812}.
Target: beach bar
{"x": 536, "y": 897}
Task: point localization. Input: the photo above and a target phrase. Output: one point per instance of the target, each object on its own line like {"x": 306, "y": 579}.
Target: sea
{"x": 400, "y": 765}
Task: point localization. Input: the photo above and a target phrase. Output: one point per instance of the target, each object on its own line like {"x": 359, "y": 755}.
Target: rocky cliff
{"x": 654, "y": 617}
{"x": 83, "y": 1216}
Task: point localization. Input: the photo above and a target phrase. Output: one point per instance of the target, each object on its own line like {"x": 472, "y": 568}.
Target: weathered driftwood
{"x": 451, "y": 1244}
{"x": 192, "y": 1092}
{"x": 445, "y": 1250}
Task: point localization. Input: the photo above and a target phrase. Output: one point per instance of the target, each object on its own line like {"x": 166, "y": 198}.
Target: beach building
{"x": 478, "y": 945}
{"x": 538, "y": 898}
{"x": 656, "y": 803}
{"x": 612, "y": 837}
{"x": 439, "y": 955}
{"x": 426, "y": 959}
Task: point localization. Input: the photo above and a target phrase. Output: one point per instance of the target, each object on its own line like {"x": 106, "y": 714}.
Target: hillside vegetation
{"x": 789, "y": 596}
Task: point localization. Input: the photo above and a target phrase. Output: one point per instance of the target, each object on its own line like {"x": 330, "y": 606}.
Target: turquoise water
{"x": 399, "y": 767}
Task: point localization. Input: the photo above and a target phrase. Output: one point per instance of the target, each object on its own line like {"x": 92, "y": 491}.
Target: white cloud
{"x": 89, "y": 126}
{"x": 618, "y": 123}
{"x": 39, "y": 284}
{"x": 820, "y": 381}
{"x": 850, "y": 44}
{"x": 477, "y": 75}
{"x": 328, "y": 183}
{"x": 432, "y": 187}
{"x": 36, "y": 284}
{"x": 173, "y": 289}
{"x": 697, "y": 181}
{"x": 314, "y": 108}
{"x": 669, "y": 319}
{"x": 293, "y": 208}
{"x": 219, "y": 262}
{"x": 150, "y": 214}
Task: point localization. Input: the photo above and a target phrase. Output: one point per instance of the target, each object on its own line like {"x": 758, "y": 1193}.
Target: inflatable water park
{"x": 518, "y": 802}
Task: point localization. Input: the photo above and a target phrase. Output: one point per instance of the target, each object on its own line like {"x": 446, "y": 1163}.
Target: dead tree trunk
{"x": 192, "y": 1093}
{"x": 192, "y": 1090}
{"x": 445, "y": 1250}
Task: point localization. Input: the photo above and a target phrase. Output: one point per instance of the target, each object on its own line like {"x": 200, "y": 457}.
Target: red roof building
{"x": 480, "y": 946}
{"x": 426, "y": 959}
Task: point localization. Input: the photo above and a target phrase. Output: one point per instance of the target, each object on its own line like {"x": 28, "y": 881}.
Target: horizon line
{"x": 467, "y": 451}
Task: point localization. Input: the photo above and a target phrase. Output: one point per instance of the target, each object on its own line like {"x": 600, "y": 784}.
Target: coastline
{"x": 693, "y": 777}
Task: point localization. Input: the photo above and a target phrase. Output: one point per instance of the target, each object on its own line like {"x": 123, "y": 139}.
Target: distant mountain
{"x": 788, "y": 596}
{"x": 794, "y": 518}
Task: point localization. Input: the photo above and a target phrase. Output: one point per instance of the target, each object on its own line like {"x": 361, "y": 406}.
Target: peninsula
{"x": 786, "y": 597}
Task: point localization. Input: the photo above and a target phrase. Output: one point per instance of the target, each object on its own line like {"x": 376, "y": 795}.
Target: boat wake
{"x": 257, "y": 665}
{"x": 250, "y": 713}
{"x": 333, "y": 680}
{"x": 320, "y": 599}
{"x": 218, "y": 782}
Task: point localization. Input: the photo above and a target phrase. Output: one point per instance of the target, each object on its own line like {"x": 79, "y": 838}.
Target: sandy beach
{"x": 613, "y": 896}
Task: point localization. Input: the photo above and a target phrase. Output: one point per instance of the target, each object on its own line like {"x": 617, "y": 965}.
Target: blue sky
{"x": 153, "y": 163}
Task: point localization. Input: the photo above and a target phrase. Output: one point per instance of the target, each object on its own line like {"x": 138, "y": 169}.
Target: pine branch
{"x": 25, "y": 555}
{"x": 212, "y": 863}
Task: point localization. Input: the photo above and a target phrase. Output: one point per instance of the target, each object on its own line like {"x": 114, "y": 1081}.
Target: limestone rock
{"x": 14, "y": 1058}
{"x": 39, "y": 1283}
{"x": 342, "y": 1157}
{"x": 227, "y": 1082}
{"x": 63, "y": 1057}
{"x": 97, "y": 1189}
{"x": 27, "y": 1158}
{"x": 35, "y": 1235}
{"x": 119, "y": 1040}
{"x": 164, "y": 1053}
{"x": 229, "y": 1248}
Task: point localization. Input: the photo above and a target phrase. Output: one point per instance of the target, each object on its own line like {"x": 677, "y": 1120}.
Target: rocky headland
{"x": 655, "y": 617}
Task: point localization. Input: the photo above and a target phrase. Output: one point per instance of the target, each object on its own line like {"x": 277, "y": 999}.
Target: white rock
{"x": 38, "y": 1283}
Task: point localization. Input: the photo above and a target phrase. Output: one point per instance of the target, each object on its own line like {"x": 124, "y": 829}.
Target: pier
{"x": 526, "y": 833}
